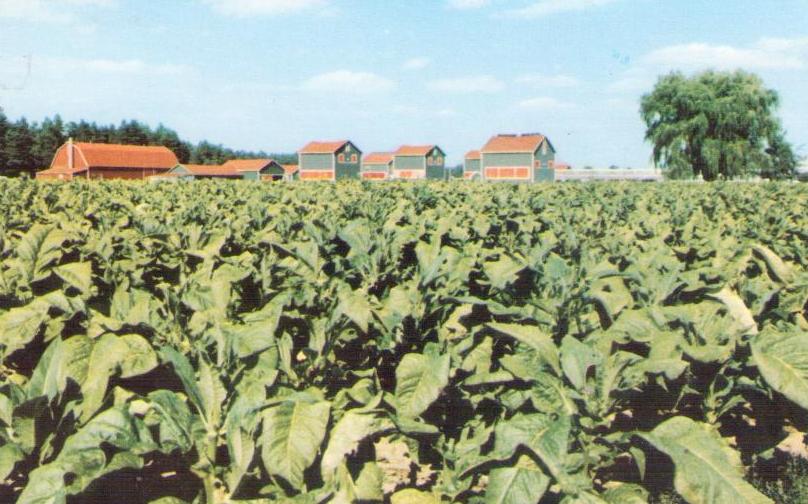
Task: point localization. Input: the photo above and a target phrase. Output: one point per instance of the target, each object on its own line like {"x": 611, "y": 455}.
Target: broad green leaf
{"x": 503, "y": 272}
{"x": 576, "y": 359}
{"x": 420, "y": 379}
{"x": 626, "y": 494}
{"x": 782, "y": 360}
{"x": 738, "y": 310}
{"x": 293, "y": 433}
{"x": 107, "y": 353}
{"x": 778, "y": 270}
{"x": 77, "y": 275}
{"x": 176, "y": 429}
{"x": 140, "y": 357}
{"x": 412, "y": 496}
{"x": 10, "y": 454}
{"x": 369, "y": 483}
{"x": 45, "y": 486}
{"x": 38, "y": 249}
{"x": 707, "y": 470}
{"x": 19, "y": 326}
{"x": 184, "y": 371}
{"x": 211, "y": 391}
{"x": 523, "y": 483}
{"x": 535, "y": 339}
{"x": 346, "y": 435}
{"x": 355, "y": 306}
{"x": 546, "y": 437}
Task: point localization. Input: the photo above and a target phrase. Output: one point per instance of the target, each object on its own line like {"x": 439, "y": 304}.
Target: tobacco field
{"x": 408, "y": 343}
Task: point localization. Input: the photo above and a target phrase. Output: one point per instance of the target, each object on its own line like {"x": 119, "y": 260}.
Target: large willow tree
{"x": 718, "y": 125}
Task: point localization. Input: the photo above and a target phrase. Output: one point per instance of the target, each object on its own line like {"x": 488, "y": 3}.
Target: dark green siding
{"x": 349, "y": 169}
{"x": 545, "y": 175}
{"x": 376, "y": 167}
{"x": 543, "y": 160}
{"x": 473, "y": 165}
{"x": 408, "y": 163}
{"x": 436, "y": 165}
{"x": 253, "y": 176}
{"x": 316, "y": 161}
{"x": 507, "y": 160}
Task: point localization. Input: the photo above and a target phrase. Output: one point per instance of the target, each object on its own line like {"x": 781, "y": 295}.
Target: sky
{"x": 274, "y": 74}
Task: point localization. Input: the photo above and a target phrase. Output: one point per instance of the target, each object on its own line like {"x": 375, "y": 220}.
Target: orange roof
{"x": 323, "y": 147}
{"x": 513, "y": 143}
{"x": 247, "y": 165}
{"x": 58, "y": 170}
{"x": 378, "y": 158}
{"x": 290, "y": 169}
{"x": 471, "y": 155}
{"x": 91, "y": 155}
{"x": 414, "y": 150}
{"x": 210, "y": 170}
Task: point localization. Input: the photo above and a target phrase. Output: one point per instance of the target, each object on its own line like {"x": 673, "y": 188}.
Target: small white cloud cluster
{"x": 349, "y": 82}
{"x": 245, "y": 8}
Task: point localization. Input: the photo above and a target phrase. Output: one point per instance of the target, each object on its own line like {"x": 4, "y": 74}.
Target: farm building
{"x": 108, "y": 161}
{"x": 525, "y": 158}
{"x": 419, "y": 162}
{"x": 291, "y": 172}
{"x": 330, "y": 161}
{"x": 196, "y": 172}
{"x": 377, "y": 166}
{"x": 471, "y": 165}
{"x": 267, "y": 170}
{"x": 595, "y": 175}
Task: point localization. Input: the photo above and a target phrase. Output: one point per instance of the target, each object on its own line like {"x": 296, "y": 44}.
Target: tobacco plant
{"x": 407, "y": 343}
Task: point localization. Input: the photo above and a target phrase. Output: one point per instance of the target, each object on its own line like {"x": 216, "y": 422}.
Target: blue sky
{"x": 274, "y": 74}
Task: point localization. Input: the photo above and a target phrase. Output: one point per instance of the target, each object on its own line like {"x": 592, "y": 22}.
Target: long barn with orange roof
{"x": 108, "y": 161}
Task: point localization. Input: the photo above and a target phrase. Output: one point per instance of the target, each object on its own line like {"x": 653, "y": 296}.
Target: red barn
{"x": 108, "y": 161}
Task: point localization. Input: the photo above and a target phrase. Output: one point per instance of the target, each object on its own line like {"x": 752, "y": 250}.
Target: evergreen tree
{"x": 133, "y": 133}
{"x": 47, "y": 139}
{"x": 3, "y": 130}
{"x": 19, "y": 143}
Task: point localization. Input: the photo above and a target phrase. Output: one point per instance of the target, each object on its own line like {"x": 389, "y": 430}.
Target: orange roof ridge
{"x": 474, "y": 154}
{"x": 245, "y": 165}
{"x": 512, "y": 143}
{"x": 378, "y": 158}
{"x": 414, "y": 150}
{"x": 323, "y": 147}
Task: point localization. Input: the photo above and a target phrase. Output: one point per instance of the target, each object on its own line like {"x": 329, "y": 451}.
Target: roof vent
{"x": 531, "y": 134}
{"x": 507, "y": 135}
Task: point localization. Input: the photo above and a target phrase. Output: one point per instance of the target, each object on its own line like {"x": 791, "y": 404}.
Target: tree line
{"x": 29, "y": 147}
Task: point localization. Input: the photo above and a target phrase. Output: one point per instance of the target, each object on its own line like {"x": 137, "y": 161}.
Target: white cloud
{"x": 107, "y": 66}
{"x": 416, "y": 64}
{"x": 471, "y": 84}
{"x": 48, "y": 11}
{"x": 555, "y": 81}
{"x": 413, "y": 111}
{"x": 133, "y": 66}
{"x": 767, "y": 54}
{"x": 245, "y": 8}
{"x": 545, "y": 103}
{"x": 697, "y": 56}
{"x": 468, "y": 4}
{"x": 545, "y": 8}
{"x": 348, "y": 82}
